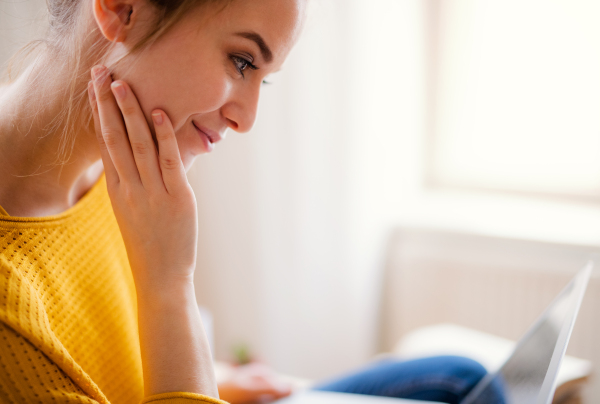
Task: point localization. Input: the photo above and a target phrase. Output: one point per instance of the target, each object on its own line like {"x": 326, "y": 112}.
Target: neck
{"x": 31, "y": 181}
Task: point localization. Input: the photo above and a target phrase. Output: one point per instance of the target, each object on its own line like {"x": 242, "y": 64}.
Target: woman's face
{"x": 206, "y": 72}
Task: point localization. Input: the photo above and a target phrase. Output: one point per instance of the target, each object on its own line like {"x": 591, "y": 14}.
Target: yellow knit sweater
{"x": 68, "y": 316}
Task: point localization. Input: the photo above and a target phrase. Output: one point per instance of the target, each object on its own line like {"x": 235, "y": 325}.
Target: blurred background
{"x": 415, "y": 162}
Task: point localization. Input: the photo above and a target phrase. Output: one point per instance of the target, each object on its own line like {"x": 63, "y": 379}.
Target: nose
{"x": 241, "y": 108}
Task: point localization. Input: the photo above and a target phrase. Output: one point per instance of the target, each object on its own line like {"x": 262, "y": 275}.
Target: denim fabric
{"x": 447, "y": 379}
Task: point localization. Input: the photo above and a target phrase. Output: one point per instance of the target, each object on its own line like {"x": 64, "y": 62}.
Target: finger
{"x": 264, "y": 384}
{"x": 273, "y": 392}
{"x": 112, "y": 177}
{"x": 140, "y": 138}
{"x": 279, "y": 390}
{"x": 270, "y": 395}
{"x": 112, "y": 127}
{"x": 173, "y": 172}
{"x": 265, "y": 398}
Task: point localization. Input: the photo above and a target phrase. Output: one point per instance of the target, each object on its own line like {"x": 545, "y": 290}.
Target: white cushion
{"x": 489, "y": 350}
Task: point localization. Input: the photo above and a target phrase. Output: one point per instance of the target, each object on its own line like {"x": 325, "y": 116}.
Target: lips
{"x": 213, "y": 136}
{"x": 209, "y": 137}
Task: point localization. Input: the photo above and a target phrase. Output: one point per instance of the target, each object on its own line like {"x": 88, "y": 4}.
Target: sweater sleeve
{"x": 27, "y": 375}
{"x": 181, "y": 398}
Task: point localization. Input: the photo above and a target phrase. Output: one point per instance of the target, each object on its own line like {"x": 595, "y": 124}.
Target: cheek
{"x": 185, "y": 85}
{"x": 181, "y": 93}
{"x": 184, "y": 74}
{"x": 183, "y": 96}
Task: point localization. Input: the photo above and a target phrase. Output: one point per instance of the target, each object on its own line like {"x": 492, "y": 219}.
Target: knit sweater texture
{"x": 68, "y": 315}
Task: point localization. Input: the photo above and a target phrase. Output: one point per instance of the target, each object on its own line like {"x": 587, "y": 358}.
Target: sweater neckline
{"x": 80, "y": 205}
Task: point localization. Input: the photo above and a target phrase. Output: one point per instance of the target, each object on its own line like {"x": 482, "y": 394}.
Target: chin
{"x": 189, "y": 155}
{"x": 188, "y": 162}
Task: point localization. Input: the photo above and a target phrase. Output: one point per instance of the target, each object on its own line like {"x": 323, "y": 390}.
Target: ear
{"x": 114, "y": 18}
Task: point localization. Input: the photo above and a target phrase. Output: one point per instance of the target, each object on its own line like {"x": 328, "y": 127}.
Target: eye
{"x": 242, "y": 64}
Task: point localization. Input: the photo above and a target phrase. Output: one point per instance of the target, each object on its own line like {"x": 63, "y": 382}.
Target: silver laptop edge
{"x": 549, "y": 386}
{"x": 577, "y": 288}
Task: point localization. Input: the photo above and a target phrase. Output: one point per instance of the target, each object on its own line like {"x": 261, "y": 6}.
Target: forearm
{"x": 156, "y": 210}
{"x": 175, "y": 352}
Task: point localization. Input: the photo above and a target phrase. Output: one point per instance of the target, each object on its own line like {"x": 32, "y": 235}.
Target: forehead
{"x": 278, "y": 22}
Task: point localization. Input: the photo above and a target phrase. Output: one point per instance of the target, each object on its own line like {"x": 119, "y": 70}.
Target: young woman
{"x": 98, "y": 227}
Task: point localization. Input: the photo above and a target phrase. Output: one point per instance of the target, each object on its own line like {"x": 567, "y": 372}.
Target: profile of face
{"x": 206, "y": 72}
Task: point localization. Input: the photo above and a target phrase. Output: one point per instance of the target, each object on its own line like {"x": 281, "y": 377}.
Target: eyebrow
{"x": 264, "y": 49}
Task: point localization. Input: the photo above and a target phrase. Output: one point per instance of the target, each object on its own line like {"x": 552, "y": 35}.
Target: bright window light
{"x": 517, "y": 96}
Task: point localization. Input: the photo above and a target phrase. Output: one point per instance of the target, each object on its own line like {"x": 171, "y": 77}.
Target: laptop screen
{"x": 529, "y": 374}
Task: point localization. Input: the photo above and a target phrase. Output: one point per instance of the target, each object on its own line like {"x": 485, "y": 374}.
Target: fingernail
{"x": 99, "y": 73}
{"x": 95, "y": 71}
{"x": 158, "y": 118}
{"x": 119, "y": 89}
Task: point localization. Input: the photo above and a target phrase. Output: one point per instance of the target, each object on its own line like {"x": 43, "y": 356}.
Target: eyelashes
{"x": 242, "y": 63}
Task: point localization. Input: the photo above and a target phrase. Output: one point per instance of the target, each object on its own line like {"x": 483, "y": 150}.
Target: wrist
{"x": 165, "y": 291}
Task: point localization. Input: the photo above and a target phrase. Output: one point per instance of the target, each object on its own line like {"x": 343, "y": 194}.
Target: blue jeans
{"x": 447, "y": 379}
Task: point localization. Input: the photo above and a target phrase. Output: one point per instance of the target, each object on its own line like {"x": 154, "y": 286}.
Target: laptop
{"x": 529, "y": 374}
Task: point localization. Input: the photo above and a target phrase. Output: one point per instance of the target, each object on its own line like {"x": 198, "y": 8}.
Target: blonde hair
{"x": 69, "y": 40}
